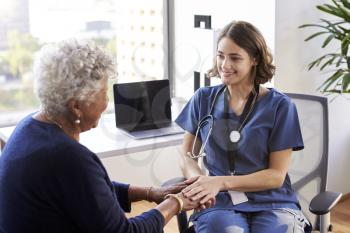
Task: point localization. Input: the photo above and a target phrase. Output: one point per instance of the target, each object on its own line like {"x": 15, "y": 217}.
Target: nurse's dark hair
{"x": 248, "y": 37}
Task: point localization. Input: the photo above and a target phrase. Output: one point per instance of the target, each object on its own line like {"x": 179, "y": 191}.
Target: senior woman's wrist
{"x": 137, "y": 193}
{"x": 168, "y": 208}
{"x": 178, "y": 200}
{"x": 149, "y": 194}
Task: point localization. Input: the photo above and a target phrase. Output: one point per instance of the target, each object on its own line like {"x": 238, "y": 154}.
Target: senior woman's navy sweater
{"x": 51, "y": 183}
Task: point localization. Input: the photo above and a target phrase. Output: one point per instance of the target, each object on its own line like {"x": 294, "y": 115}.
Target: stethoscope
{"x": 234, "y": 135}
{"x": 208, "y": 119}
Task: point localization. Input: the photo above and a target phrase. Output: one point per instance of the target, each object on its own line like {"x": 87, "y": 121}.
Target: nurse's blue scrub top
{"x": 272, "y": 126}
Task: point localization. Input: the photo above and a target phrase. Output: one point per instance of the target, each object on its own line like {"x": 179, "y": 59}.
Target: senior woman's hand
{"x": 188, "y": 204}
{"x": 157, "y": 194}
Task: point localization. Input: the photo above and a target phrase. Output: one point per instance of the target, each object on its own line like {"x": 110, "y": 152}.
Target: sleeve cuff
{"x": 121, "y": 191}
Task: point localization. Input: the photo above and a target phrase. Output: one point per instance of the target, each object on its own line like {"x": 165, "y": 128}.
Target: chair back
{"x": 308, "y": 170}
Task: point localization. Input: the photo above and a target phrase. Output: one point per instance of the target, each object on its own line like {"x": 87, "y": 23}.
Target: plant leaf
{"x": 345, "y": 82}
{"x": 312, "y": 64}
{"x": 345, "y": 30}
{"x": 333, "y": 91}
{"x": 344, "y": 11}
{"x": 335, "y": 29}
{"x": 339, "y": 61}
{"x": 329, "y": 62}
{"x": 345, "y": 3}
{"x": 337, "y": 11}
{"x": 328, "y": 9}
{"x": 345, "y": 45}
{"x": 314, "y": 35}
{"x": 313, "y": 25}
{"x": 328, "y": 39}
{"x": 331, "y": 80}
{"x": 316, "y": 62}
{"x": 332, "y": 27}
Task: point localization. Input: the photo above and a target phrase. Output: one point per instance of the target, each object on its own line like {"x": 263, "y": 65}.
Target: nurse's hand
{"x": 206, "y": 205}
{"x": 203, "y": 188}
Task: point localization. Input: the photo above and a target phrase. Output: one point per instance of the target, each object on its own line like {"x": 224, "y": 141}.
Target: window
{"x": 141, "y": 40}
{"x": 133, "y": 30}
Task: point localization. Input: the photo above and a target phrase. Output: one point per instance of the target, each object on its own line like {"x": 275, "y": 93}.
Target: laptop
{"x": 143, "y": 109}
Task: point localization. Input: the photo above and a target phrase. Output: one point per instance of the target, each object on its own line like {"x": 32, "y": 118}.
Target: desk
{"x": 107, "y": 141}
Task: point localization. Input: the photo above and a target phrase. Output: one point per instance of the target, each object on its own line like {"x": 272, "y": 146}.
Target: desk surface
{"x": 106, "y": 140}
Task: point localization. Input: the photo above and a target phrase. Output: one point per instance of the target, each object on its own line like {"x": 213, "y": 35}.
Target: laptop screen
{"x": 142, "y": 105}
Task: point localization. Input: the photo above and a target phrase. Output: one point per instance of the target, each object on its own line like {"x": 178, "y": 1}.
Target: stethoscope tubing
{"x": 208, "y": 119}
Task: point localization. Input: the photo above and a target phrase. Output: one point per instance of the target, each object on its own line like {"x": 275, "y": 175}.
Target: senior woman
{"x": 49, "y": 182}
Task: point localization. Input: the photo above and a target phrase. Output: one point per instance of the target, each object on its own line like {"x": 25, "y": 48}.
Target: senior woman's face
{"x": 93, "y": 109}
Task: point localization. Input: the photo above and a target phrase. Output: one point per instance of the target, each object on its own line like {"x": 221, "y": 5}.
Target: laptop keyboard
{"x": 170, "y": 130}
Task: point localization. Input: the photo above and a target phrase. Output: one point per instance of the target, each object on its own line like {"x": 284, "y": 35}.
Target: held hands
{"x": 202, "y": 189}
{"x": 188, "y": 204}
{"x": 157, "y": 195}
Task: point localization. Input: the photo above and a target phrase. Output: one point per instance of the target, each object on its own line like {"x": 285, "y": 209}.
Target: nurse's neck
{"x": 239, "y": 92}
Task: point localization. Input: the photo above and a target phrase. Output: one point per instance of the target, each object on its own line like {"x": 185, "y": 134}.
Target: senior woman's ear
{"x": 75, "y": 108}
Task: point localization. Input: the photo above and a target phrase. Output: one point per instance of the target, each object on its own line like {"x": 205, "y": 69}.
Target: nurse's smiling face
{"x": 234, "y": 63}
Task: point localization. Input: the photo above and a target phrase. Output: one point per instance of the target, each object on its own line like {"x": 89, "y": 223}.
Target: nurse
{"x": 246, "y": 136}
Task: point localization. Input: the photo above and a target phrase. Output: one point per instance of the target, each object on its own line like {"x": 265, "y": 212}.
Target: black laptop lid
{"x": 142, "y": 105}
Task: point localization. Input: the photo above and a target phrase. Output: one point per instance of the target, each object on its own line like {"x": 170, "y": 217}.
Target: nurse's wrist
{"x": 226, "y": 183}
{"x": 222, "y": 181}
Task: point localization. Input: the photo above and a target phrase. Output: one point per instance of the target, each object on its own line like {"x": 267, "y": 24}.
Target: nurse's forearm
{"x": 190, "y": 167}
{"x": 258, "y": 181}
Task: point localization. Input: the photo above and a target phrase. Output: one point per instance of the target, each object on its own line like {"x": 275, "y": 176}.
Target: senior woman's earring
{"x": 77, "y": 121}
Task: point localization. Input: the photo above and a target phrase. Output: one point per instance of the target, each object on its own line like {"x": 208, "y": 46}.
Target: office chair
{"x": 308, "y": 169}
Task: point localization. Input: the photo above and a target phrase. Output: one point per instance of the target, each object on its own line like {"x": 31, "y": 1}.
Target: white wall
{"x": 152, "y": 167}
{"x": 292, "y": 55}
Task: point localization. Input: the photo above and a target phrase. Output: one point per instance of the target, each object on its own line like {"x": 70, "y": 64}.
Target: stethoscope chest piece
{"x": 235, "y": 136}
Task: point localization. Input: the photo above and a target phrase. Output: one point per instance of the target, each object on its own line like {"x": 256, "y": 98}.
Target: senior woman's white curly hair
{"x": 69, "y": 69}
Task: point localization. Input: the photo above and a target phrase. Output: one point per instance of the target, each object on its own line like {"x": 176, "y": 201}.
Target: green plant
{"x": 339, "y": 60}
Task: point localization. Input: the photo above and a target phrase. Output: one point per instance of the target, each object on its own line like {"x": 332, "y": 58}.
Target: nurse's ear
{"x": 254, "y": 61}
